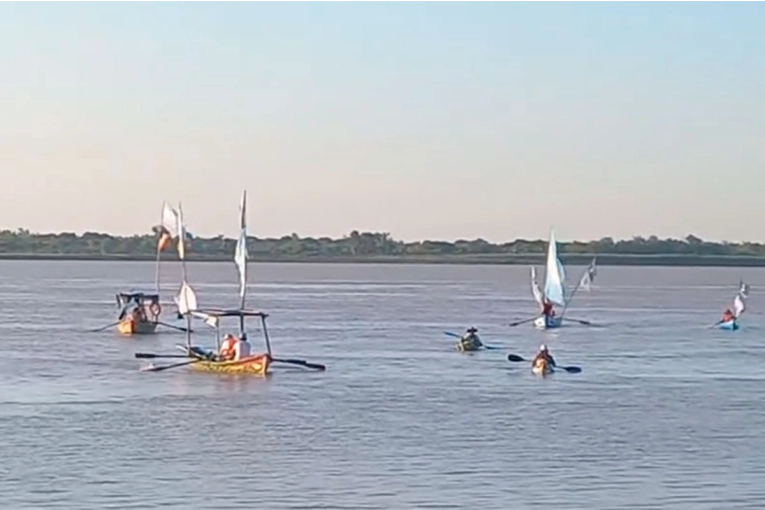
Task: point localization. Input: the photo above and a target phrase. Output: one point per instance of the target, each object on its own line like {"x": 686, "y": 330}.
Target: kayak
{"x": 542, "y": 367}
{"x": 730, "y": 325}
{"x": 469, "y": 346}
{"x": 544, "y": 322}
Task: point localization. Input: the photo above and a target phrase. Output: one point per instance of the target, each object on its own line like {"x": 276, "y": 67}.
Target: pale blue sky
{"x": 425, "y": 120}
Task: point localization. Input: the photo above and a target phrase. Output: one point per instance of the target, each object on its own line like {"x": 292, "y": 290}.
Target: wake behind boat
{"x": 555, "y": 289}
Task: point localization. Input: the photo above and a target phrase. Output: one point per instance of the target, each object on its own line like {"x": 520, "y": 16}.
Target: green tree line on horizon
{"x": 24, "y": 242}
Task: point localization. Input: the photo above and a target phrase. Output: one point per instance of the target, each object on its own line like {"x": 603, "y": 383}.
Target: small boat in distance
{"x": 555, "y": 290}
{"x": 139, "y": 313}
{"x": 729, "y": 321}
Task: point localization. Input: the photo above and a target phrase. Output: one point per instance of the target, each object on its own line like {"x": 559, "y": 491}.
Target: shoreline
{"x": 489, "y": 259}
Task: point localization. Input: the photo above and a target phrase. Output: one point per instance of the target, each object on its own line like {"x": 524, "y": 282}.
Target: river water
{"x": 666, "y": 413}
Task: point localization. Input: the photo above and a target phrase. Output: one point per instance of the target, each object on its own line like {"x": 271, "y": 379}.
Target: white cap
{"x": 543, "y": 347}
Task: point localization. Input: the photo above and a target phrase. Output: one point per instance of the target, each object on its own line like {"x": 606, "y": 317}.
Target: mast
{"x": 187, "y": 299}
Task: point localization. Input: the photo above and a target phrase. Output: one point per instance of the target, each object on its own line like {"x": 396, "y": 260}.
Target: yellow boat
{"x": 542, "y": 367}
{"x": 252, "y": 365}
{"x": 139, "y": 313}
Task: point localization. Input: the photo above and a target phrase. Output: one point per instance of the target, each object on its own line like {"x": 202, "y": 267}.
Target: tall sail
{"x": 589, "y": 276}
{"x": 535, "y": 290}
{"x": 168, "y": 228}
{"x": 555, "y": 277}
{"x": 186, "y": 301}
{"x": 240, "y": 252}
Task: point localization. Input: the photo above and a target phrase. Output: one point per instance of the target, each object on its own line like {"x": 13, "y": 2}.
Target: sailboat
{"x": 739, "y": 306}
{"x": 254, "y": 364}
{"x": 555, "y": 290}
{"x": 139, "y": 312}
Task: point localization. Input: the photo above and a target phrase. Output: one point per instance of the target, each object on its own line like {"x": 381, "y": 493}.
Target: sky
{"x": 424, "y": 120}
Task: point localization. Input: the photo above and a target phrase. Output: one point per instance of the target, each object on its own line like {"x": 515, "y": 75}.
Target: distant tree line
{"x": 356, "y": 245}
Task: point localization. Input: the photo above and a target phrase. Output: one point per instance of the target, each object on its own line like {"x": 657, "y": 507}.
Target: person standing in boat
{"x": 543, "y": 354}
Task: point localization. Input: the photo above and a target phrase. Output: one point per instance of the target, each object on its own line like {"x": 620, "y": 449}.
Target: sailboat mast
{"x": 159, "y": 251}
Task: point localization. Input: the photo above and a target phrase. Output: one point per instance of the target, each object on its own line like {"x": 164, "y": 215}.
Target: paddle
{"x": 488, "y": 347}
{"x": 303, "y": 363}
{"x": 580, "y": 321}
{"x": 105, "y": 327}
{"x": 166, "y": 367}
{"x": 148, "y": 355}
{"x": 513, "y": 324}
{"x": 175, "y": 327}
{"x": 570, "y": 370}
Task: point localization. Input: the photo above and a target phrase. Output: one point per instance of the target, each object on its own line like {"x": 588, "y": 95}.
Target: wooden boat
{"x": 254, "y": 364}
{"x": 542, "y": 367}
{"x": 147, "y": 304}
{"x": 555, "y": 290}
{"x": 139, "y": 313}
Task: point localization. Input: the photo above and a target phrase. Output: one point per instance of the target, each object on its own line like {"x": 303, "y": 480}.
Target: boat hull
{"x": 252, "y": 365}
{"x": 542, "y": 368}
{"x": 128, "y": 327}
{"x": 731, "y": 325}
{"x": 548, "y": 322}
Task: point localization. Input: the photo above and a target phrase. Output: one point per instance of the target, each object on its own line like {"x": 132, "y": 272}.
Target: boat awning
{"x": 139, "y": 295}
{"x": 220, "y": 312}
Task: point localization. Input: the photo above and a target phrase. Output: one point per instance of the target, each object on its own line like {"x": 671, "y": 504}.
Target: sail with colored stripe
{"x": 555, "y": 277}
{"x": 240, "y": 252}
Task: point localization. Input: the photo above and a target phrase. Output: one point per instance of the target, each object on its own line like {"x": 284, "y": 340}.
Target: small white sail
{"x": 186, "y": 299}
{"x": 738, "y": 306}
{"x": 743, "y": 290}
{"x": 589, "y": 276}
{"x": 170, "y": 219}
{"x": 240, "y": 252}
{"x": 181, "y": 239}
{"x": 535, "y": 290}
{"x": 555, "y": 277}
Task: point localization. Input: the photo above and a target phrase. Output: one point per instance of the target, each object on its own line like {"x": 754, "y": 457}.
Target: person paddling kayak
{"x": 470, "y": 341}
{"x": 543, "y": 354}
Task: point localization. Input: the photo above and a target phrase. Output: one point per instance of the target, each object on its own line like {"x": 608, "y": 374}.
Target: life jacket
{"x": 227, "y": 348}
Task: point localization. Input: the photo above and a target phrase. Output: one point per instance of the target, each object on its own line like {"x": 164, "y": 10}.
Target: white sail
{"x": 743, "y": 290}
{"x": 181, "y": 239}
{"x": 170, "y": 219}
{"x": 186, "y": 299}
{"x": 535, "y": 290}
{"x": 738, "y": 306}
{"x": 210, "y": 320}
{"x": 589, "y": 276}
{"x": 555, "y": 277}
{"x": 240, "y": 252}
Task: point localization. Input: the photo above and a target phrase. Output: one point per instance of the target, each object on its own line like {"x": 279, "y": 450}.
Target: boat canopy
{"x": 219, "y": 312}
{"x": 124, "y": 298}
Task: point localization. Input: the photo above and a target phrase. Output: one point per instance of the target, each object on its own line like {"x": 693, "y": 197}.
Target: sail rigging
{"x": 240, "y": 252}
{"x": 739, "y": 302}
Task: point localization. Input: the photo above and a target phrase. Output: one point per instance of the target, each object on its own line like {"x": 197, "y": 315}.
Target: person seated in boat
{"x": 242, "y": 348}
{"x": 547, "y": 308}
{"x": 136, "y": 314}
{"x": 543, "y": 354}
{"x": 470, "y": 340}
{"x": 227, "y": 350}
{"x": 728, "y": 316}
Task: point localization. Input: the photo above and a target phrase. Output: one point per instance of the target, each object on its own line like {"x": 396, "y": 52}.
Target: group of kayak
{"x": 542, "y": 364}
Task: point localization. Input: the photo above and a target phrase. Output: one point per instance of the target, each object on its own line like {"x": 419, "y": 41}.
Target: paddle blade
{"x": 571, "y": 370}
{"x": 300, "y": 362}
{"x": 449, "y": 333}
{"x": 514, "y": 357}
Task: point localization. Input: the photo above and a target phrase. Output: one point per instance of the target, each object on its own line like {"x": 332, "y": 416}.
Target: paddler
{"x": 728, "y": 316}
{"x": 470, "y": 341}
{"x": 543, "y": 354}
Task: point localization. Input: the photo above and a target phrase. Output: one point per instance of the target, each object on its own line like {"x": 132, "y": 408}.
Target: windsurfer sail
{"x": 240, "y": 252}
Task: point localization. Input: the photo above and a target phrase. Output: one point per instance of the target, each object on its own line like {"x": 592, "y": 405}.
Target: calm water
{"x": 666, "y": 413}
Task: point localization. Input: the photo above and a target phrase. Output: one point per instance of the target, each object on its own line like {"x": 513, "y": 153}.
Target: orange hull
{"x": 252, "y": 365}
{"x": 128, "y": 327}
